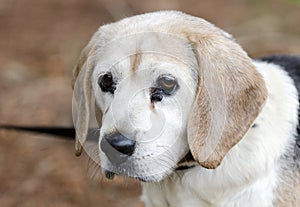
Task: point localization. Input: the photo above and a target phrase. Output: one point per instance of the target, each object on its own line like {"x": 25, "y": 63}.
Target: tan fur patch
{"x": 222, "y": 61}
{"x": 135, "y": 61}
{"x": 82, "y": 94}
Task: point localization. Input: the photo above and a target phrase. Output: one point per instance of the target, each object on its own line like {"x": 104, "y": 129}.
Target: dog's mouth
{"x": 110, "y": 175}
{"x": 184, "y": 164}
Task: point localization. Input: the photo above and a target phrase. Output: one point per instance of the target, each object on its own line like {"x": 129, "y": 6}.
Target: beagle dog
{"x": 177, "y": 104}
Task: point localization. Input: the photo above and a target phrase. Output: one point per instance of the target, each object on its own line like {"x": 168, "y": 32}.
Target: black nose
{"x": 117, "y": 147}
{"x": 121, "y": 143}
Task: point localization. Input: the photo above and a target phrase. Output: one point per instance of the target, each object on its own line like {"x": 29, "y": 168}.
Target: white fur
{"x": 248, "y": 175}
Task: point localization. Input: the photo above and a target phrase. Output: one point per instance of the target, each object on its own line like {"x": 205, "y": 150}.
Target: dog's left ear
{"x": 230, "y": 95}
{"x": 82, "y": 95}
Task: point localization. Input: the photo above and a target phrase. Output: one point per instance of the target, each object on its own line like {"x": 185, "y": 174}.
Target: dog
{"x": 181, "y": 107}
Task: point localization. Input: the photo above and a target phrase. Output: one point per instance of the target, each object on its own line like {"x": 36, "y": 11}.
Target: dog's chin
{"x": 183, "y": 166}
{"x": 150, "y": 171}
{"x": 140, "y": 177}
{"x": 110, "y": 175}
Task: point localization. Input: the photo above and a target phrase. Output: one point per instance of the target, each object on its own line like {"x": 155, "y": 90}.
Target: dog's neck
{"x": 249, "y": 174}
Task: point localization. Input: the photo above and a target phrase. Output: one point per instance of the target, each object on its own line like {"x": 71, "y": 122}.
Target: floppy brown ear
{"x": 82, "y": 87}
{"x": 230, "y": 95}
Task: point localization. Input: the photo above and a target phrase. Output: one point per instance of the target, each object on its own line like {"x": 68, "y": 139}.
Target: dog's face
{"x": 145, "y": 100}
{"x": 163, "y": 85}
{"x": 145, "y": 94}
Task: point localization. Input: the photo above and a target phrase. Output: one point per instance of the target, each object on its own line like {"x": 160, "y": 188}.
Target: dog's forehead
{"x": 167, "y": 35}
{"x": 155, "y": 43}
{"x": 144, "y": 51}
{"x": 149, "y": 66}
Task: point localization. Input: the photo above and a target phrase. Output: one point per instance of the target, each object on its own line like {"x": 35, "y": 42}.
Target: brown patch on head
{"x": 135, "y": 61}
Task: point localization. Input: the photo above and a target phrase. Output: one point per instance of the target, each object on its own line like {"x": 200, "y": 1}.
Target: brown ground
{"x": 39, "y": 43}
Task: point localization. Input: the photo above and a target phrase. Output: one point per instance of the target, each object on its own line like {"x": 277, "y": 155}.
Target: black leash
{"x": 69, "y": 134}
{"x": 62, "y": 132}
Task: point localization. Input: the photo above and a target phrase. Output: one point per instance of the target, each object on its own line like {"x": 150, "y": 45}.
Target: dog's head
{"x": 163, "y": 85}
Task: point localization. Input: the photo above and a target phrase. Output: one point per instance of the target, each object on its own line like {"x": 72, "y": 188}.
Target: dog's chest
{"x": 191, "y": 193}
{"x": 159, "y": 198}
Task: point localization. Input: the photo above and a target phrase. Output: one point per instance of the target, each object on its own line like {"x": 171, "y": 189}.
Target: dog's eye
{"x": 165, "y": 86}
{"x": 167, "y": 83}
{"x": 106, "y": 83}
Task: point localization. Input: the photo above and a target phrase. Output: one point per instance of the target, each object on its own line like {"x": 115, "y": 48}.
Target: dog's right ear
{"x": 82, "y": 94}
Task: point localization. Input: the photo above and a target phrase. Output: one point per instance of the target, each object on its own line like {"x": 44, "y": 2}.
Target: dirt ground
{"x": 40, "y": 41}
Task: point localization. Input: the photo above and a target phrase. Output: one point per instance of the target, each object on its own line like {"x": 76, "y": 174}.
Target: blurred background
{"x": 40, "y": 41}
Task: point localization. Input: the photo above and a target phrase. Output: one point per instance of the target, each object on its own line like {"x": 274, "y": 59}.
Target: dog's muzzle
{"x": 117, "y": 147}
